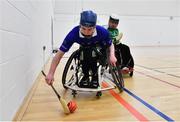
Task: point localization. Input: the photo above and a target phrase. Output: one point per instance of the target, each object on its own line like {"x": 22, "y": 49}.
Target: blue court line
{"x": 149, "y": 106}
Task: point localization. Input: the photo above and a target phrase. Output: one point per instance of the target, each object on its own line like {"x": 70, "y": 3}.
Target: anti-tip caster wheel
{"x": 131, "y": 74}
{"x": 74, "y": 93}
{"x": 99, "y": 94}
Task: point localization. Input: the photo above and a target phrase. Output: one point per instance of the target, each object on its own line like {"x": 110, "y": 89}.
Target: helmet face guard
{"x": 88, "y": 19}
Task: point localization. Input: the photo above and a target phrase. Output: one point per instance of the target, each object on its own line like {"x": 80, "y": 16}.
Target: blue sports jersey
{"x": 102, "y": 38}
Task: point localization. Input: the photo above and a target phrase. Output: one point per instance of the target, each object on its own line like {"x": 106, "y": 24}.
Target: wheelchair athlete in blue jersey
{"x": 88, "y": 35}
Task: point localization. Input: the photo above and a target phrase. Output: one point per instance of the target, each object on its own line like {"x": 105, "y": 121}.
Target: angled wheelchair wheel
{"x": 70, "y": 71}
{"x": 117, "y": 77}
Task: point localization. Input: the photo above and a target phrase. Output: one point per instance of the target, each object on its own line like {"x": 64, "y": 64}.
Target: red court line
{"x": 129, "y": 107}
{"x": 158, "y": 79}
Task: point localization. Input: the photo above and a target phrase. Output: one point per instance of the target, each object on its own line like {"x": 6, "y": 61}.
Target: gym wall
{"x": 143, "y": 22}
{"x": 25, "y": 27}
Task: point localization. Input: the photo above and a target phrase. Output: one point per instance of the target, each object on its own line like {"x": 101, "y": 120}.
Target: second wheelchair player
{"x": 85, "y": 34}
{"x": 122, "y": 51}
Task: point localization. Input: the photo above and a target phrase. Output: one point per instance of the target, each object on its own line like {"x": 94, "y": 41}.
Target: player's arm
{"x": 50, "y": 77}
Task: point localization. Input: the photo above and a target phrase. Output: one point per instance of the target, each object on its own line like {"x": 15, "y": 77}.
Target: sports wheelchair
{"x": 107, "y": 74}
{"x": 124, "y": 58}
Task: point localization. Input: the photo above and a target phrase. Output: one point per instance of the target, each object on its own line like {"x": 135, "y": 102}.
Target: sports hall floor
{"x": 152, "y": 94}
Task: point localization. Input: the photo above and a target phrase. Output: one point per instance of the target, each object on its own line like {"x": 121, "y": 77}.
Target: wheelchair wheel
{"x": 69, "y": 73}
{"x": 117, "y": 77}
{"x": 99, "y": 94}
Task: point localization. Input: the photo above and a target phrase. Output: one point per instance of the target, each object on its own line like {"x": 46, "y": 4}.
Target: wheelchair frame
{"x": 105, "y": 74}
{"x": 130, "y": 71}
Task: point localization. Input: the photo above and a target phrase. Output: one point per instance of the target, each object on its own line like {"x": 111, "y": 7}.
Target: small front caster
{"x": 74, "y": 93}
{"x": 99, "y": 94}
{"x": 131, "y": 74}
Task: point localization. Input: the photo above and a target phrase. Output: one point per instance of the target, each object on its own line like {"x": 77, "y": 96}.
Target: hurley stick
{"x": 62, "y": 101}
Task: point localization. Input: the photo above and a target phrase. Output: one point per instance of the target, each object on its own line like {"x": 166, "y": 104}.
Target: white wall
{"x": 0, "y": 68}
{"x": 24, "y": 28}
{"x": 62, "y": 25}
{"x": 0, "y": 78}
{"x": 143, "y": 22}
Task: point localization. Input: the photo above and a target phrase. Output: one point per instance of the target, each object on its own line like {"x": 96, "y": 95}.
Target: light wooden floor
{"x": 152, "y": 94}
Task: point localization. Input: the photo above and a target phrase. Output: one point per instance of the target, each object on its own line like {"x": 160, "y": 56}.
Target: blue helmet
{"x": 88, "y": 18}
